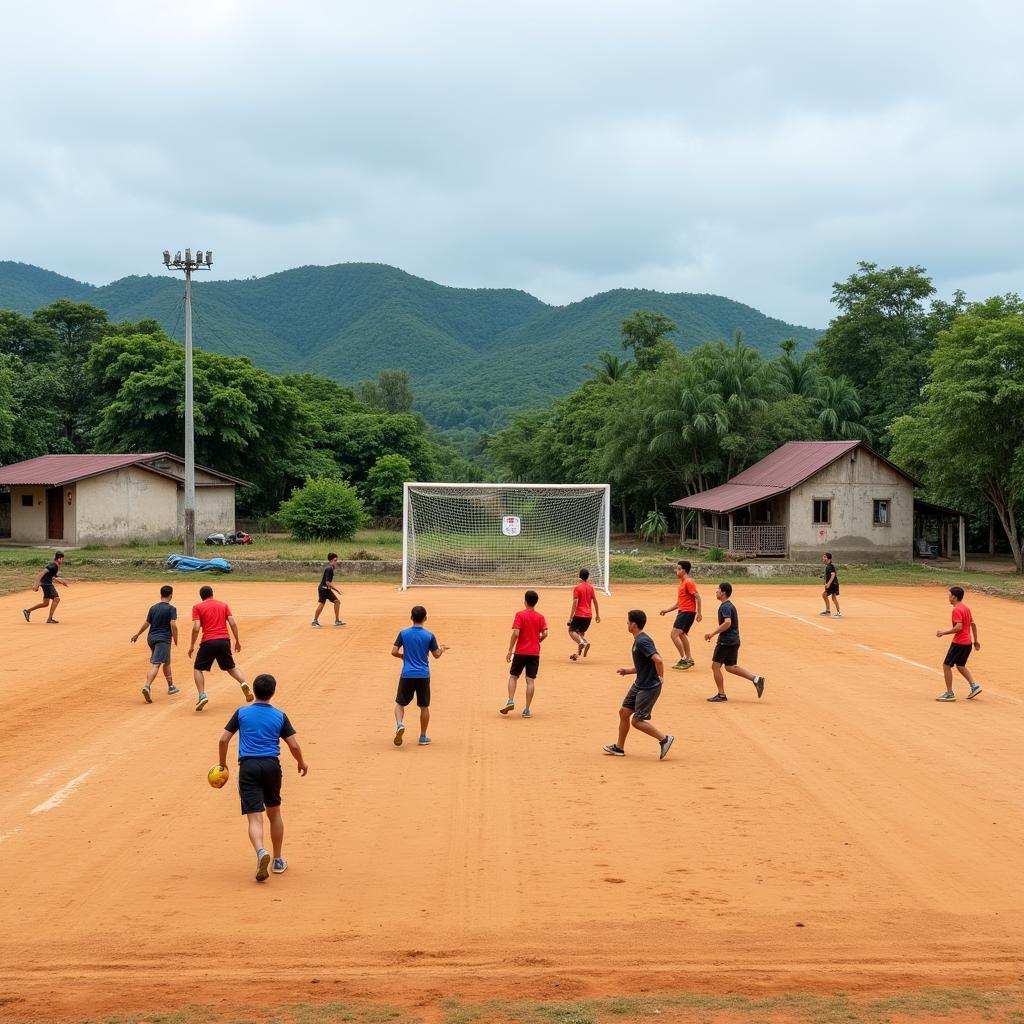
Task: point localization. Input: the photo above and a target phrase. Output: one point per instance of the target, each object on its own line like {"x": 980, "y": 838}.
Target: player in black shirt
{"x": 727, "y": 647}
{"x": 831, "y": 586}
{"x": 161, "y": 621}
{"x": 48, "y": 580}
{"x": 638, "y": 703}
{"x": 327, "y": 591}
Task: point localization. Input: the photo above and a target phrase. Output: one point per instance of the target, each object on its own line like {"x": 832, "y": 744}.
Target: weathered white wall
{"x": 215, "y": 511}
{"x": 124, "y": 505}
{"x": 852, "y": 487}
{"x": 28, "y": 525}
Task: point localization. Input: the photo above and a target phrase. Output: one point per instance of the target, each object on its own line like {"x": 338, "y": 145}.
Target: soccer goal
{"x": 498, "y": 535}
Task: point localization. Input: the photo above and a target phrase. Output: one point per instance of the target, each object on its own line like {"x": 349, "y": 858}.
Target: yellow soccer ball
{"x": 217, "y": 776}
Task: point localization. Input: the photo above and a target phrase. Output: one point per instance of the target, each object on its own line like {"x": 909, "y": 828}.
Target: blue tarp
{"x": 185, "y": 564}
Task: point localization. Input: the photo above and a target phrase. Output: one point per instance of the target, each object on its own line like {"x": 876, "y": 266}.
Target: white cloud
{"x": 754, "y": 150}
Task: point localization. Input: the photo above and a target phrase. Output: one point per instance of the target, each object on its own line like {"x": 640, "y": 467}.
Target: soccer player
{"x": 831, "y": 586}
{"x": 260, "y": 729}
{"x": 584, "y": 608}
{"x": 727, "y": 647}
{"x": 214, "y": 618}
{"x": 413, "y": 645}
{"x": 965, "y": 636}
{"x": 641, "y": 697}
{"x": 47, "y": 580}
{"x": 163, "y": 628}
{"x": 327, "y": 591}
{"x": 529, "y": 631}
{"x": 688, "y": 611}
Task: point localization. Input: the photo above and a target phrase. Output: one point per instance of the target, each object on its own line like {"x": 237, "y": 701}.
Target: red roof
{"x": 59, "y": 470}
{"x": 787, "y": 467}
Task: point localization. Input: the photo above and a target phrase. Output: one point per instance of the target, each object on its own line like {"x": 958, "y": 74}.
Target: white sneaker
{"x": 838, "y": 615}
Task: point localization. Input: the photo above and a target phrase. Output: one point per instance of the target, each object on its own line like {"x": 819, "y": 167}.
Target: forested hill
{"x": 474, "y": 354}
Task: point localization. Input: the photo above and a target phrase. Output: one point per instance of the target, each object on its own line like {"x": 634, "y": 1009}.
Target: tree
{"x": 77, "y": 326}
{"x": 882, "y": 338}
{"x": 324, "y": 508}
{"x": 25, "y": 337}
{"x": 647, "y": 334}
{"x": 390, "y": 392}
{"x": 837, "y": 408}
{"x": 968, "y": 435}
{"x": 611, "y": 368}
{"x": 384, "y": 484}
{"x": 797, "y": 376}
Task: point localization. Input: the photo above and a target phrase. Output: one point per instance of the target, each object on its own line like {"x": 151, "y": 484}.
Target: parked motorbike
{"x": 238, "y": 537}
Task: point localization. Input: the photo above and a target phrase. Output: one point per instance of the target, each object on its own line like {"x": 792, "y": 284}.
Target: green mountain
{"x": 475, "y": 355}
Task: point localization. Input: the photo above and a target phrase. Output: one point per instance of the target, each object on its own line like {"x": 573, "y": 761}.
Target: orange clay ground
{"x": 845, "y": 833}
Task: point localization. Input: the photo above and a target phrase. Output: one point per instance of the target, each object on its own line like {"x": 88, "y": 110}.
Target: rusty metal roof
{"x": 59, "y": 470}
{"x": 787, "y": 467}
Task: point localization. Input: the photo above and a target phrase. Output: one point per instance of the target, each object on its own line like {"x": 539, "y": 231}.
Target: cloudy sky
{"x": 755, "y": 150}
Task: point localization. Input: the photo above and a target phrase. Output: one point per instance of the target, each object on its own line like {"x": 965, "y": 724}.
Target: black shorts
{"x": 726, "y": 654}
{"x": 832, "y": 588}
{"x": 326, "y": 595}
{"x": 211, "y": 651}
{"x": 409, "y": 687}
{"x": 50, "y": 591}
{"x": 579, "y": 625}
{"x": 641, "y": 702}
{"x": 958, "y": 654}
{"x": 684, "y": 620}
{"x": 531, "y": 662}
{"x": 259, "y": 784}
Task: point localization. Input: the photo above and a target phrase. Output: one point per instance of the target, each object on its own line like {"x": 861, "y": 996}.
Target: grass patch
{"x": 1001, "y": 1007}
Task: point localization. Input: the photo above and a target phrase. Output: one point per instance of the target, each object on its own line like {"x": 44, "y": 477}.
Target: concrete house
{"x": 73, "y": 500}
{"x": 806, "y": 498}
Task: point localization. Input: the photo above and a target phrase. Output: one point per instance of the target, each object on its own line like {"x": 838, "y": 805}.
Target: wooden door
{"x": 55, "y": 513}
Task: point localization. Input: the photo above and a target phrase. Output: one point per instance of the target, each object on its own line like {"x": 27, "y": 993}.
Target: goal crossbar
{"x": 500, "y": 535}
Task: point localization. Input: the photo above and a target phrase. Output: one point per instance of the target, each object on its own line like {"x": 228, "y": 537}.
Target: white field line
{"x": 62, "y": 794}
{"x": 916, "y": 664}
{"x": 7, "y": 835}
{"x": 797, "y": 618}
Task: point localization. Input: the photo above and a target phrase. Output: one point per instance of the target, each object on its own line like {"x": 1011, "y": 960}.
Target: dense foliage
{"x": 70, "y": 381}
{"x": 324, "y": 508}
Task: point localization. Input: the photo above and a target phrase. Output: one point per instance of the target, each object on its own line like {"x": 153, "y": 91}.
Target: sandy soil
{"x": 844, "y": 833}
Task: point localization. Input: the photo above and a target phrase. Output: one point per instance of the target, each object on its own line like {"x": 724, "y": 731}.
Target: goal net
{"x": 504, "y": 534}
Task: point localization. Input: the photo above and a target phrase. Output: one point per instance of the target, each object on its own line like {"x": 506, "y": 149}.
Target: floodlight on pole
{"x": 188, "y": 265}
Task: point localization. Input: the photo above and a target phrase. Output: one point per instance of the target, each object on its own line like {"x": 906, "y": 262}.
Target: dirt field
{"x": 845, "y": 833}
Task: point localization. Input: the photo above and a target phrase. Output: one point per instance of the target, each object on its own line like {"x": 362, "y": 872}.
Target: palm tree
{"x": 612, "y": 368}
{"x": 797, "y": 376}
{"x": 838, "y": 410}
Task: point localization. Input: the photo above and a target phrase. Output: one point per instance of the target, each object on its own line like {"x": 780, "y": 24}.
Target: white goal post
{"x": 502, "y": 535}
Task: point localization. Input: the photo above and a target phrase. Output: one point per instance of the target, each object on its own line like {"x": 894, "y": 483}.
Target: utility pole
{"x": 188, "y": 264}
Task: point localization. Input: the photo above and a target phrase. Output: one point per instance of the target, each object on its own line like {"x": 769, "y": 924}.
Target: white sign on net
{"x": 511, "y": 526}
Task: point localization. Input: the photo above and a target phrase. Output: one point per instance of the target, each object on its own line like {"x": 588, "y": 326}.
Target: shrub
{"x": 714, "y": 555}
{"x": 654, "y": 527}
{"x": 323, "y": 509}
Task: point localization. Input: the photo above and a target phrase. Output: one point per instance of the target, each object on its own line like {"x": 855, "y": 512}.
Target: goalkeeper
{"x": 260, "y": 727}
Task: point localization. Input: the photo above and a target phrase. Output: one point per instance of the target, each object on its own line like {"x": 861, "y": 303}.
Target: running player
{"x": 163, "y": 628}
{"x": 641, "y": 697}
{"x": 260, "y": 729}
{"x": 688, "y": 611}
{"x": 965, "y": 636}
{"x": 831, "y": 586}
{"x": 727, "y": 647}
{"x": 413, "y": 645}
{"x": 584, "y": 608}
{"x": 47, "y": 580}
{"x": 214, "y": 618}
{"x": 529, "y": 631}
{"x": 327, "y": 591}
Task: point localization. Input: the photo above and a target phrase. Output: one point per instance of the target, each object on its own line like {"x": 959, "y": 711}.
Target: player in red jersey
{"x": 529, "y": 631}
{"x": 584, "y": 610}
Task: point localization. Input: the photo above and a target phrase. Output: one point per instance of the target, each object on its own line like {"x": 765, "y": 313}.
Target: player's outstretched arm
{"x": 293, "y": 746}
{"x": 233, "y": 626}
{"x": 437, "y": 652}
{"x": 396, "y": 651}
{"x": 142, "y": 629}
{"x": 222, "y": 748}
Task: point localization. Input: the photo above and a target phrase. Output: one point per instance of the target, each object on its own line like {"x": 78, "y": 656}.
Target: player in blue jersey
{"x": 414, "y": 645}
{"x": 261, "y": 727}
